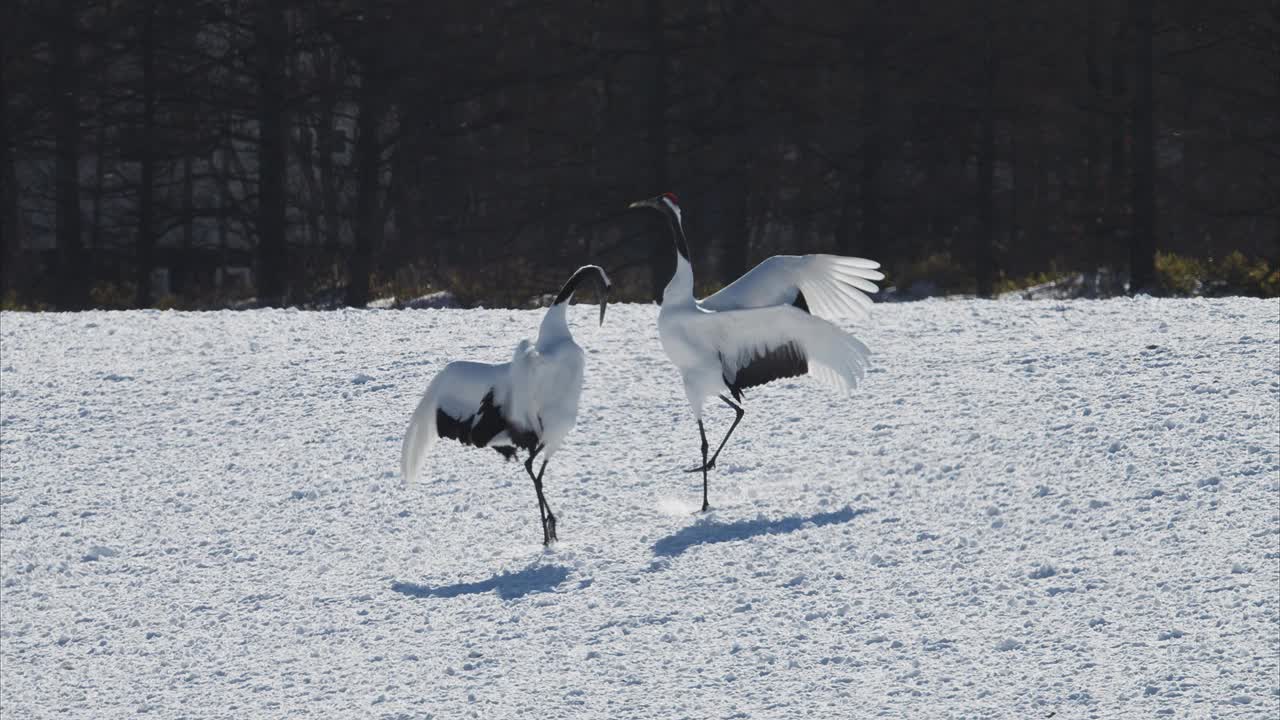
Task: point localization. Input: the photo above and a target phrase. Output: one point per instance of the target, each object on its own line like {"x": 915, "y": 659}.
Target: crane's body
{"x": 528, "y": 404}
{"x": 769, "y": 324}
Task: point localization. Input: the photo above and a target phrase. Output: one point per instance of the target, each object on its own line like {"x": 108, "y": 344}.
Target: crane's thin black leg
{"x": 705, "y": 506}
{"x": 549, "y": 523}
{"x": 537, "y": 486}
{"x": 740, "y": 412}
{"x": 711, "y": 464}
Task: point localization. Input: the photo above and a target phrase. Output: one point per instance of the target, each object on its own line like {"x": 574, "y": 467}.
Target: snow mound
{"x": 98, "y": 552}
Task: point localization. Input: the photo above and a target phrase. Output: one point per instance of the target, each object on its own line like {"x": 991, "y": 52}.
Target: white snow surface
{"x": 1028, "y": 509}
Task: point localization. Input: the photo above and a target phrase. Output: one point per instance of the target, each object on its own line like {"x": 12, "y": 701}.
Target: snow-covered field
{"x": 1031, "y": 509}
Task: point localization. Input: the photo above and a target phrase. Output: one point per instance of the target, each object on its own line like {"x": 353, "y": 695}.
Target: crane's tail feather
{"x": 421, "y": 434}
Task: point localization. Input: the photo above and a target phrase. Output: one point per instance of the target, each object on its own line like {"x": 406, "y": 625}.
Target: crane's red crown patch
{"x": 672, "y": 197}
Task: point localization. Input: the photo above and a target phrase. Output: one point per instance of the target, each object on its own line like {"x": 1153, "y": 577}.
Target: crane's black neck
{"x": 677, "y": 234}
{"x": 571, "y": 286}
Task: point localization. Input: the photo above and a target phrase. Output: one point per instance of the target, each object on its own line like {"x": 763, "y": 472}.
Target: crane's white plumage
{"x": 773, "y": 322}
{"x": 742, "y": 337}
{"x": 535, "y": 397}
{"x": 457, "y": 392}
{"x": 529, "y": 403}
{"x": 833, "y": 286}
{"x": 714, "y": 351}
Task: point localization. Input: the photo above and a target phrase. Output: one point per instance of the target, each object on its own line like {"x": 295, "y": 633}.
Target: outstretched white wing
{"x": 833, "y": 286}
{"x": 758, "y": 345}
{"x": 465, "y": 394}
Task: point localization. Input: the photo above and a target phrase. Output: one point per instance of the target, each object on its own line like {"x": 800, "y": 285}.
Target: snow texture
{"x": 1028, "y": 510}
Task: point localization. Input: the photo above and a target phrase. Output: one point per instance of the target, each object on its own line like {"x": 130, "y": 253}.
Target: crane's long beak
{"x": 605, "y": 287}
{"x": 640, "y": 204}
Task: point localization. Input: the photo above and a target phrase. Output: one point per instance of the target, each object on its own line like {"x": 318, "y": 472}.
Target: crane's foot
{"x": 702, "y": 468}
{"x": 549, "y": 530}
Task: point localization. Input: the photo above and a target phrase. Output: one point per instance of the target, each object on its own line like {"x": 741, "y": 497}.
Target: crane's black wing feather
{"x": 784, "y": 361}
{"x": 481, "y": 427}
{"x": 800, "y": 302}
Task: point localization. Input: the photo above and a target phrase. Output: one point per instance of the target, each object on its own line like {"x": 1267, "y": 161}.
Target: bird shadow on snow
{"x": 706, "y": 533}
{"x": 508, "y": 585}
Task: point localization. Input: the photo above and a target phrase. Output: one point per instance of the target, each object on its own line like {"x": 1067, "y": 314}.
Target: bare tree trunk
{"x": 984, "y": 238}
{"x": 1142, "y": 244}
{"x": 99, "y": 180}
{"x": 73, "y": 290}
{"x": 846, "y": 235}
{"x": 182, "y": 270}
{"x": 400, "y": 196}
{"x": 872, "y": 123}
{"x": 1037, "y": 219}
{"x": 1116, "y": 172}
{"x": 327, "y": 143}
{"x": 1092, "y": 198}
{"x": 1015, "y": 191}
{"x": 146, "y": 184}
{"x": 369, "y": 156}
{"x": 415, "y": 243}
{"x": 302, "y": 144}
{"x": 272, "y": 34}
{"x": 660, "y": 251}
{"x": 10, "y": 244}
{"x": 1208, "y": 244}
{"x": 736, "y": 240}
{"x": 222, "y": 168}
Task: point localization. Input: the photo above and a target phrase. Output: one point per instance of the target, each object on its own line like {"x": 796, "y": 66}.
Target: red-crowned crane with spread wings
{"x": 773, "y": 322}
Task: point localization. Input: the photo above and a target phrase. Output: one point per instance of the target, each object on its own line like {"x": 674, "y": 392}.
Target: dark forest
{"x": 320, "y": 153}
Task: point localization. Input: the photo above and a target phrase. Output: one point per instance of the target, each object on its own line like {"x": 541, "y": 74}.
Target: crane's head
{"x": 666, "y": 203}
{"x": 603, "y": 286}
{"x": 669, "y": 206}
